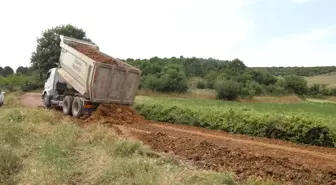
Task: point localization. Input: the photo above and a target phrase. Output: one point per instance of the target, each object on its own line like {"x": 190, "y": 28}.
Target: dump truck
{"x": 86, "y": 77}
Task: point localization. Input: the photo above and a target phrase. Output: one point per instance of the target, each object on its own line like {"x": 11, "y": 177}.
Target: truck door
{"x": 49, "y": 84}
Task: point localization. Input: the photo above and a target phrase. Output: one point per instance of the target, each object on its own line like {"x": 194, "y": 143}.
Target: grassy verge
{"x": 37, "y": 147}
{"x": 282, "y": 121}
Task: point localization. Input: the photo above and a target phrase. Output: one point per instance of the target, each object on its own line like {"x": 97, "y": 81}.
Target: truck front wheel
{"x": 67, "y": 103}
{"x": 46, "y": 100}
{"x": 77, "y": 107}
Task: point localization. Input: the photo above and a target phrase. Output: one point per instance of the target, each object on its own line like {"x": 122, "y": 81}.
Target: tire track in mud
{"x": 247, "y": 156}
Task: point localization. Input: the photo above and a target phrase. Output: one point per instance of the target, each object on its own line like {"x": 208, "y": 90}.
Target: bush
{"x": 201, "y": 84}
{"x": 300, "y": 128}
{"x": 296, "y": 84}
{"x": 16, "y": 82}
{"x": 170, "y": 80}
{"x": 228, "y": 90}
{"x": 319, "y": 90}
{"x": 333, "y": 91}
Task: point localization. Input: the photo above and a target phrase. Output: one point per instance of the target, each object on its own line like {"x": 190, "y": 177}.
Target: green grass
{"x": 321, "y": 109}
{"x": 304, "y": 122}
{"x": 40, "y": 147}
{"x": 327, "y": 79}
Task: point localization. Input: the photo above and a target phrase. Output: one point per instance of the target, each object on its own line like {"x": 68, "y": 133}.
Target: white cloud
{"x": 129, "y": 28}
{"x": 306, "y": 49}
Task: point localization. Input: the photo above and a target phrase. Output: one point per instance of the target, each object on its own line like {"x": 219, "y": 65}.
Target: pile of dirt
{"x": 220, "y": 158}
{"x": 111, "y": 114}
{"x": 94, "y": 54}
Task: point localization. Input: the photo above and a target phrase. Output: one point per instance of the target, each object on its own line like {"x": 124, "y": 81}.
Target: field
{"x": 117, "y": 146}
{"x": 45, "y": 149}
{"x": 303, "y": 122}
{"x": 327, "y": 79}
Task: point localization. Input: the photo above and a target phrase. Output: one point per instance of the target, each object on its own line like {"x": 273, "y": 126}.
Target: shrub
{"x": 201, "y": 84}
{"x": 228, "y": 90}
{"x": 300, "y": 128}
{"x": 171, "y": 80}
{"x": 296, "y": 84}
{"x": 319, "y": 90}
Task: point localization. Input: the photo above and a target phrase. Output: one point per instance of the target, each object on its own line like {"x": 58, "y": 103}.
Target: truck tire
{"x": 46, "y": 100}
{"x": 77, "y": 107}
{"x": 67, "y": 104}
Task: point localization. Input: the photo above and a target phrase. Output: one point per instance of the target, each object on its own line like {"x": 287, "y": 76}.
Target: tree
{"x": 296, "y": 84}
{"x": 7, "y": 71}
{"x": 171, "y": 79}
{"x": 1, "y": 71}
{"x": 48, "y": 49}
{"x": 22, "y": 70}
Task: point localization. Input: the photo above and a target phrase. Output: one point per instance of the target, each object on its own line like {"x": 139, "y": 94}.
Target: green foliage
{"x": 48, "y": 49}
{"x": 298, "y": 127}
{"x": 201, "y": 84}
{"x": 171, "y": 79}
{"x": 320, "y": 90}
{"x": 228, "y": 90}
{"x": 6, "y": 71}
{"x": 299, "y": 71}
{"x": 20, "y": 82}
{"x": 28, "y": 71}
{"x": 296, "y": 84}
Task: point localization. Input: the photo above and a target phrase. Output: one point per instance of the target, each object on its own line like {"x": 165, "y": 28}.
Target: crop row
{"x": 296, "y": 127}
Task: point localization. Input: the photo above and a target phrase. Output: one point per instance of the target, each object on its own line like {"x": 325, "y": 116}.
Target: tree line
{"x": 230, "y": 78}
{"x": 300, "y": 71}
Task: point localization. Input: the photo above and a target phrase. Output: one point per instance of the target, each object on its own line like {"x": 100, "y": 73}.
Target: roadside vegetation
{"x": 305, "y": 122}
{"x": 45, "y": 149}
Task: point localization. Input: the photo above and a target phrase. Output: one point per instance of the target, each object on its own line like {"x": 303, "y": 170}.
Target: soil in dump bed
{"x": 94, "y": 54}
{"x": 208, "y": 155}
{"x": 110, "y": 114}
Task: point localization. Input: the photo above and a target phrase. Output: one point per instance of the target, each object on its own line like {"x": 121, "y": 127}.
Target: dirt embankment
{"x": 247, "y": 156}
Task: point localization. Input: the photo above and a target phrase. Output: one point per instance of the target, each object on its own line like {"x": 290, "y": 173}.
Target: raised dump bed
{"x": 96, "y": 75}
{"x": 87, "y": 77}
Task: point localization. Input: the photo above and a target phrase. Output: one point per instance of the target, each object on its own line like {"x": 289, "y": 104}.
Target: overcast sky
{"x": 259, "y": 32}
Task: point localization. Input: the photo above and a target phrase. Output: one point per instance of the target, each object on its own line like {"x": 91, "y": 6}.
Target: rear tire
{"x": 67, "y": 104}
{"x": 77, "y": 107}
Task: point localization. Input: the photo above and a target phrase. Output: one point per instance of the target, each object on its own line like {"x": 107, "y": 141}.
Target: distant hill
{"x": 300, "y": 71}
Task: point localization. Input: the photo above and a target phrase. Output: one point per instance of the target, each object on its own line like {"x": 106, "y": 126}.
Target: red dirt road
{"x": 31, "y": 100}
{"x": 247, "y": 156}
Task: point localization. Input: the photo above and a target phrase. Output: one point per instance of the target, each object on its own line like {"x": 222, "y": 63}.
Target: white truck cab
{"x": 51, "y": 80}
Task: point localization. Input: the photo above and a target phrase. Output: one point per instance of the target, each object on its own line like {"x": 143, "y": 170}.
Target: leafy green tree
{"x": 296, "y": 84}
{"x": 171, "y": 79}
{"x": 22, "y": 70}
{"x": 7, "y": 71}
{"x": 48, "y": 49}
{"x": 210, "y": 79}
